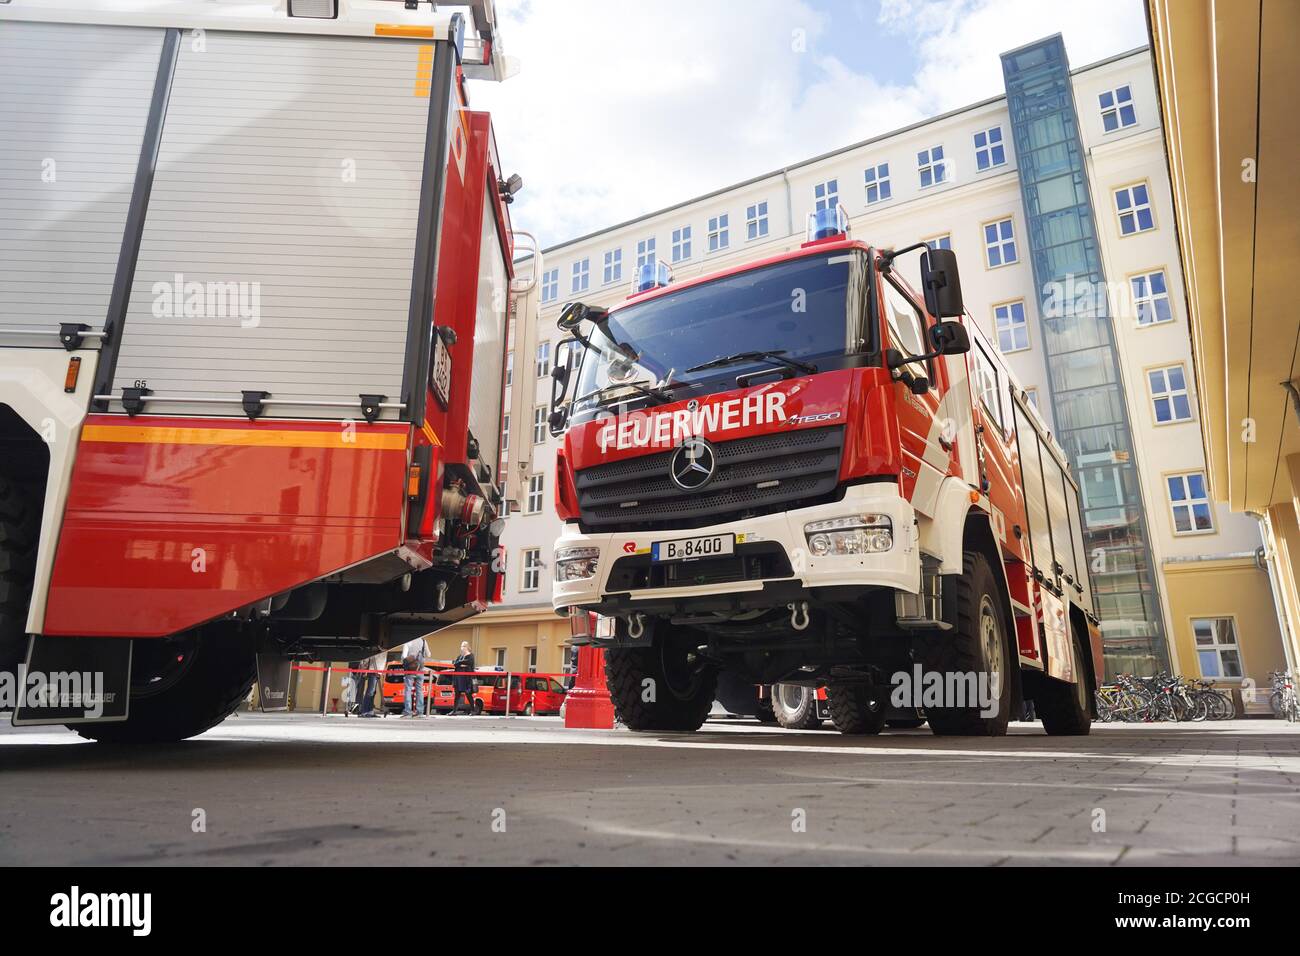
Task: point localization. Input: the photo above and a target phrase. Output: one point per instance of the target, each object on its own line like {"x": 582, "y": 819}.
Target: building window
{"x": 1216, "y": 646}
{"x": 645, "y": 254}
{"x": 531, "y": 655}
{"x": 536, "y": 491}
{"x": 940, "y": 242}
{"x": 510, "y": 368}
{"x": 582, "y": 275}
{"x": 539, "y": 425}
{"x": 532, "y": 569}
{"x": 1133, "y": 204}
{"x": 990, "y": 151}
{"x": 613, "y": 266}
{"x": 877, "y": 179}
{"x": 1031, "y": 396}
{"x": 499, "y": 658}
{"x": 756, "y": 221}
{"x": 1000, "y": 243}
{"x": 1190, "y": 504}
{"x": 1151, "y": 298}
{"x": 719, "y": 232}
{"x": 505, "y": 435}
{"x": 681, "y": 244}
{"x": 930, "y": 164}
{"x": 1117, "y": 109}
{"x": 543, "y": 360}
{"x": 1169, "y": 395}
{"x": 826, "y": 195}
{"x": 1013, "y": 329}
{"x": 550, "y": 285}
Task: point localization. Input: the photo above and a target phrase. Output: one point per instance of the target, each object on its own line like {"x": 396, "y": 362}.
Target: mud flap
{"x": 273, "y": 675}
{"x": 74, "y": 680}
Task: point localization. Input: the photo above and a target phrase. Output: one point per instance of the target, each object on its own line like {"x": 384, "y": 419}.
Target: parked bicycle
{"x": 1163, "y": 697}
{"x": 1282, "y": 699}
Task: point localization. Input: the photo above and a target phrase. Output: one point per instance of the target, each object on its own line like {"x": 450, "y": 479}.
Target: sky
{"x": 623, "y": 107}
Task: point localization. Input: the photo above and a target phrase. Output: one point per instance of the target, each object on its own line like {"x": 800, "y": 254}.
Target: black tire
{"x": 795, "y": 707}
{"x": 980, "y": 645}
{"x": 213, "y": 681}
{"x": 20, "y": 527}
{"x": 680, "y": 689}
{"x": 528, "y": 709}
{"x": 908, "y": 723}
{"x": 857, "y": 709}
{"x": 478, "y": 707}
{"x": 1064, "y": 708}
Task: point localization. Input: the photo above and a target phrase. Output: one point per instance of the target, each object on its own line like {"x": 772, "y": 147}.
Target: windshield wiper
{"x": 776, "y": 358}
{"x": 658, "y": 393}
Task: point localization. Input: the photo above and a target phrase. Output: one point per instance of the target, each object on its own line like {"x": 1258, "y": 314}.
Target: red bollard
{"x": 588, "y": 705}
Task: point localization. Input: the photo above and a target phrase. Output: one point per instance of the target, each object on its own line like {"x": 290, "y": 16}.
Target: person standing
{"x": 370, "y": 682}
{"x": 464, "y": 682}
{"x": 414, "y": 654}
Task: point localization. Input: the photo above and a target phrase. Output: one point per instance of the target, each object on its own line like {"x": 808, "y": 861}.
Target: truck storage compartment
{"x": 279, "y": 244}
{"x": 74, "y": 102}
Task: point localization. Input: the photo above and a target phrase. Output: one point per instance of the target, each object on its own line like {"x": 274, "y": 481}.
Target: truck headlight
{"x": 576, "y": 564}
{"x": 852, "y": 534}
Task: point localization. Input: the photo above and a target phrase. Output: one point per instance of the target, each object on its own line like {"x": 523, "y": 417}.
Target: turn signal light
{"x": 413, "y": 482}
{"x": 74, "y": 370}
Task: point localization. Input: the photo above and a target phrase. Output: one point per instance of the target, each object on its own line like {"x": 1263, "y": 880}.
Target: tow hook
{"x": 799, "y": 612}
{"x": 635, "y": 626}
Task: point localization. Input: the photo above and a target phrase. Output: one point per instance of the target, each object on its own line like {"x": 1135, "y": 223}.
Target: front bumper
{"x": 898, "y": 569}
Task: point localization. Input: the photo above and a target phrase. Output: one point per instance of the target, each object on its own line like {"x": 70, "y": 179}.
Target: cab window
{"x": 986, "y": 384}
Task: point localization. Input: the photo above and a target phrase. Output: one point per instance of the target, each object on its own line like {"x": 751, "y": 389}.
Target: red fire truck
{"x": 256, "y": 265}
{"x": 803, "y": 471}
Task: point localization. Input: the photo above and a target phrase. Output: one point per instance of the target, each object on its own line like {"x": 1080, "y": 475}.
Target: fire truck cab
{"x": 804, "y": 471}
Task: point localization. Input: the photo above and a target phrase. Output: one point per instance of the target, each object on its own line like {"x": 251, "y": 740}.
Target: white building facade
{"x": 951, "y": 180}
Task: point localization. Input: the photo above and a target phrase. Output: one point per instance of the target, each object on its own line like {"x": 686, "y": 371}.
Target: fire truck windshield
{"x": 807, "y": 310}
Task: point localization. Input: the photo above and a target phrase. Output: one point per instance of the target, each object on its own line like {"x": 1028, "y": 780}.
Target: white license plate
{"x": 690, "y": 549}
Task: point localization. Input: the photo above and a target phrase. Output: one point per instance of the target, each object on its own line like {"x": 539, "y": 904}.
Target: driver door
{"x": 925, "y": 444}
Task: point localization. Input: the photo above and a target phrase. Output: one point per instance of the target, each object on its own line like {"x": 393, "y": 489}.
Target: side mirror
{"x": 950, "y": 338}
{"x": 559, "y": 388}
{"x": 942, "y": 284}
{"x": 575, "y": 313}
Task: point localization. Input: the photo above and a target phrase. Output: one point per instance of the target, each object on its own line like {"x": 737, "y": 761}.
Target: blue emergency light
{"x": 652, "y": 275}
{"x": 827, "y": 224}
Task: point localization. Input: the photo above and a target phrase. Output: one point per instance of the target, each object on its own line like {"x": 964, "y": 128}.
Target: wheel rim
{"x": 790, "y": 696}
{"x": 990, "y": 631}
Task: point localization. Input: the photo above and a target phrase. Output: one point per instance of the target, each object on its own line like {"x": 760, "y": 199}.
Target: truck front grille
{"x": 754, "y": 476}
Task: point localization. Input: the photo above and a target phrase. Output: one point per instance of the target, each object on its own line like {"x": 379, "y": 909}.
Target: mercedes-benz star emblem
{"x": 693, "y": 464}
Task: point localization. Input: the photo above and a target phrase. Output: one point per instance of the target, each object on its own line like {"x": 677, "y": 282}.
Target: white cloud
{"x": 623, "y": 107}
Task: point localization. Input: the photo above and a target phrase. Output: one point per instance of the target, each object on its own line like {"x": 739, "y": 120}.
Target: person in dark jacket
{"x": 463, "y": 683}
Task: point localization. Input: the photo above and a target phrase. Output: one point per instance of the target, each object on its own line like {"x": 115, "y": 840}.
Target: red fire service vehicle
{"x": 803, "y": 471}
{"x": 256, "y": 264}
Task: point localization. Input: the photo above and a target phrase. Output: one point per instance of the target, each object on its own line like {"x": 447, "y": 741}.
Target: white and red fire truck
{"x": 255, "y": 261}
{"x": 803, "y": 471}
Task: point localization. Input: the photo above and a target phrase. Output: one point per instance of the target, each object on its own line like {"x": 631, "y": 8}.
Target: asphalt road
{"x": 307, "y": 790}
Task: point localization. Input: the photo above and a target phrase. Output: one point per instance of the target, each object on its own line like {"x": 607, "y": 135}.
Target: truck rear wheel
{"x": 179, "y": 689}
{"x": 856, "y": 708}
{"x": 1064, "y": 708}
{"x": 795, "y": 707}
{"x": 979, "y": 646}
{"x": 19, "y": 533}
{"x": 662, "y": 687}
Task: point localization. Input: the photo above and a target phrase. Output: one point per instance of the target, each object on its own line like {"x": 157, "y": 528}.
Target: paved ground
{"x": 311, "y": 790}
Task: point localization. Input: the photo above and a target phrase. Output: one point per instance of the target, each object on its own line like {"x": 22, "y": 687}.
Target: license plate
{"x": 691, "y": 549}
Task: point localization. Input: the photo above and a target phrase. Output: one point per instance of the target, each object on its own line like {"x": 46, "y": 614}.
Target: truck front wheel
{"x": 856, "y": 708}
{"x": 662, "y": 687}
{"x": 181, "y": 687}
{"x": 975, "y": 658}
